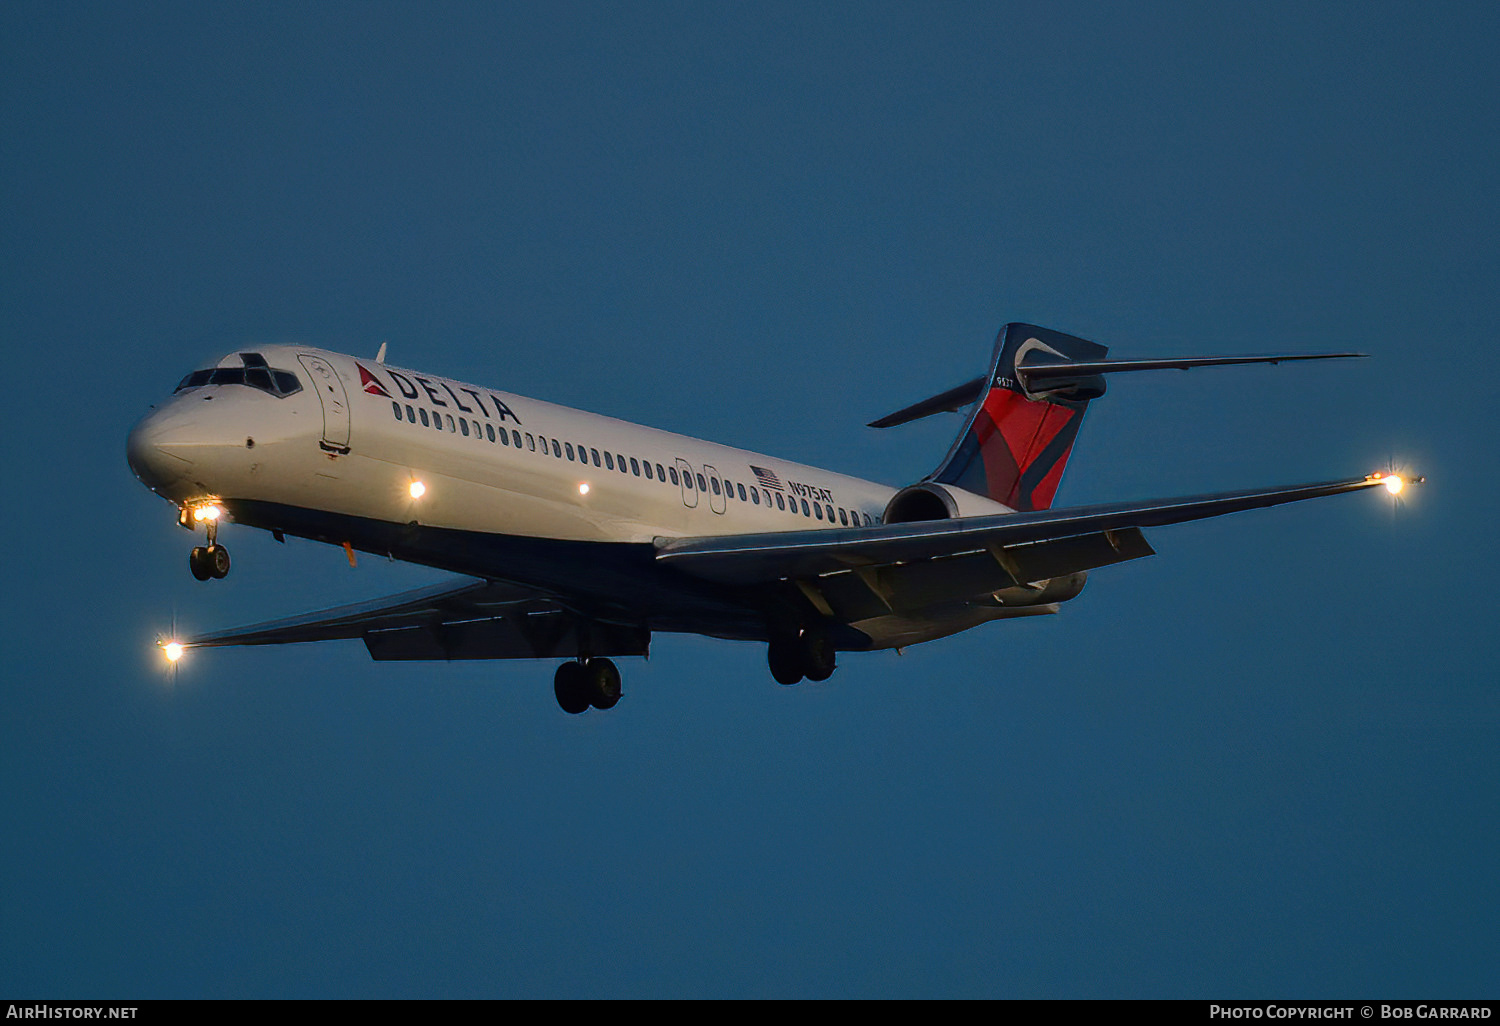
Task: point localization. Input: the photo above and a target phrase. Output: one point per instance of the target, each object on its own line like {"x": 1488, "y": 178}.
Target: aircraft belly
{"x": 619, "y": 581}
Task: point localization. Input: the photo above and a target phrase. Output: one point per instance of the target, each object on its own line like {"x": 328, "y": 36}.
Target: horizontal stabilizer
{"x": 950, "y": 401}
{"x": 1040, "y": 366}
{"x": 1041, "y": 369}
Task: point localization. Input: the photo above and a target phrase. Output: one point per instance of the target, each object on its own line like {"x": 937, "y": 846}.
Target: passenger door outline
{"x": 334, "y": 400}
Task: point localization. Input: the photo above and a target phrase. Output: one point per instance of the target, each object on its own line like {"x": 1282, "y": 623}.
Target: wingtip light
{"x": 1395, "y": 483}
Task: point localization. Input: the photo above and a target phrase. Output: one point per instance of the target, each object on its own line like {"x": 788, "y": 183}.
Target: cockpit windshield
{"x": 254, "y": 371}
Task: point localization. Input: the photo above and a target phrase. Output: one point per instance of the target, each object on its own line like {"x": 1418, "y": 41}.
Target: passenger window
{"x": 568, "y": 448}
{"x": 489, "y": 430}
{"x": 620, "y": 461}
{"x": 807, "y": 512}
{"x": 687, "y": 479}
{"x": 465, "y": 425}
{"x": 450, "y": 422}
{"x": 411, "y": 414}
{"x": 635, "y": 468}
{"x": 556, "y": 449}
{"x": 715, "y": 483}
{"x": 673, "y": 472}
{"x": 530, "y": 442}
{"x": 741, "y": 489}
{"x": 648, "y": 470}
{"x": 423, "y": 412}
{"x": 818, "y": 509}
{"x": 843, "y": 517}
{"x": 515, "y": 439}
{"x": 478, "y": 431}
{"x": 397, "y": 408}
{"x": 780, "y": 504}
{"x": 755, "y": 496}
{"x": 702, "y": 484}
{"x": 594, "y": 453}
{"x": 609, "y": 461}
{"x": 661, "y": 475}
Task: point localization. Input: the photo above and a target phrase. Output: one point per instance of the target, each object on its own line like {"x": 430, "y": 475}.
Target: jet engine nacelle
{"x": 931, "y": 501}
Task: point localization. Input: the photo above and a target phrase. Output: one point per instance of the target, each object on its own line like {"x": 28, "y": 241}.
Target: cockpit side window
{"x": 193, "y": 380}
{"x": 255, "y": 372}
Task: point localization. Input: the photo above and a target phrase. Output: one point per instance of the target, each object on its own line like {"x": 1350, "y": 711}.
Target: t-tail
{"x": 1027, "y": 411}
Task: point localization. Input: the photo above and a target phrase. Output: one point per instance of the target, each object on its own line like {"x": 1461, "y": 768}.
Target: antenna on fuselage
{"x": 380, "y": 356}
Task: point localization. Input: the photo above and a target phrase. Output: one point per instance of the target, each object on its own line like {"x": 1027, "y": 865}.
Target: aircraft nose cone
{"x": 152, "y": 456}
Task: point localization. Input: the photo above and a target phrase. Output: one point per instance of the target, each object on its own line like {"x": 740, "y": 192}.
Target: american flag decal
{"x": 767, "y": 478}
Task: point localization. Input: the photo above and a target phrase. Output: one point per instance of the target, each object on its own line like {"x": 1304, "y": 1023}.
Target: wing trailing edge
{"x": 764, "y": 558}
{"x": 466, "y": 619}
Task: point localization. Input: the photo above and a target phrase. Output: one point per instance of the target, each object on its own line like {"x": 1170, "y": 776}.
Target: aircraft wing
{"x": 1028, "y": 546}
{"x": 466, "y": 618}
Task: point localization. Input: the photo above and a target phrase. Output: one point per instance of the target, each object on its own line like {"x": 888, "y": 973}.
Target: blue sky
{"x": 1261, "y": 763}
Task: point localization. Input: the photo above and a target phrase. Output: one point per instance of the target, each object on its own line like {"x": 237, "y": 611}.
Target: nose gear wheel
{"x": 211, "y": 561}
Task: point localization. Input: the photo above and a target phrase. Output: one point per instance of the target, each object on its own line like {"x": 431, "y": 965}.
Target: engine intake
{"x": 928, "y": 500}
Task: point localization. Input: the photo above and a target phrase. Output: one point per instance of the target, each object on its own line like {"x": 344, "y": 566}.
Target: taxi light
{"x": 209, "y": 512}
{"x": 417, "y": 489}
{"x": 583, "y": 489}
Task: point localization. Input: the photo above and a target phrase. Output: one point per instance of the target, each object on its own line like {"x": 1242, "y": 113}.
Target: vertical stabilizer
{"x": 1017, "y": 441}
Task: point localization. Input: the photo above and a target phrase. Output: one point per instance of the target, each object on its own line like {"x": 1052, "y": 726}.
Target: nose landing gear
{"x": 211, "y": 560}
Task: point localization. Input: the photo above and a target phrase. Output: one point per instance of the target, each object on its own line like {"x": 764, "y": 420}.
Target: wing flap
{"x": 524, "y": 636}
{"x": 464, "y": 619}
{"x": 764, "y": 558}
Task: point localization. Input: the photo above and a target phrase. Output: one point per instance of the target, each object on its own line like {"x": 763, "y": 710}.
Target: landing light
{"x": 1394, "y": 484}
{"x": 583, "y": 489}
{"x": 209, "y": 512}
{"x": 417, "y": 489}
{"x": 173, "y": 651}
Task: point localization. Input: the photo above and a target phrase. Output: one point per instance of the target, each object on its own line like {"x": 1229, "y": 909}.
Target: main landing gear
{"x": 586, "y": 682}
{"x": 808, "y": 653}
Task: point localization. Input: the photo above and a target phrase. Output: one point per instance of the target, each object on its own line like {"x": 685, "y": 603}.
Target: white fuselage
{"x": 359, "y": 433}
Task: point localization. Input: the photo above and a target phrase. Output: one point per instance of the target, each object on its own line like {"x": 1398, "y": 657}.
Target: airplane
{"x": 578, "y": 537}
